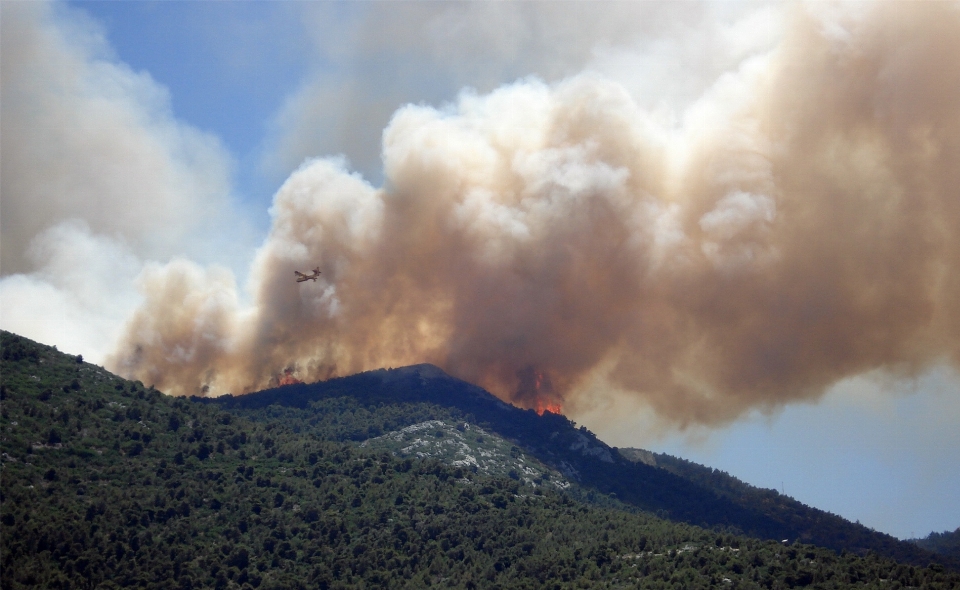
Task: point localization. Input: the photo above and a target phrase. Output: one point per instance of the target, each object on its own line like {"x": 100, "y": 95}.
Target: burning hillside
{"x": 287, "y": 378}
{"x": 797, "y": 226}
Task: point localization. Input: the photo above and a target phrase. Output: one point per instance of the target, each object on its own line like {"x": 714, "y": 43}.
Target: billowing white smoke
{"x": 802, "y": 225}
{"x": 97, "y": 175}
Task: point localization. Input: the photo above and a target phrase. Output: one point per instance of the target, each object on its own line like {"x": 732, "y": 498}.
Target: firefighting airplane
{"x": 302, "y": 277}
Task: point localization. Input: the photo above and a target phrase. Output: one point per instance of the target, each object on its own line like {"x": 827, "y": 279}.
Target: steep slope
{"x": 673, "y": 490}
{"x": 461, "y": 444}
{"x": 945, "y": 543}
{"x": 831, "y": 530}
{"x": 552, "y": 439}
{"x": 106, "y": 484}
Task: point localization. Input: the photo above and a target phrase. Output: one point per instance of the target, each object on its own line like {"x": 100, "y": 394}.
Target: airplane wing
{"x": 305, "y": 277}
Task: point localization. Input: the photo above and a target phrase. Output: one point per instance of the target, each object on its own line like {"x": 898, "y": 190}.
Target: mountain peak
{"x": 423, "y": 370}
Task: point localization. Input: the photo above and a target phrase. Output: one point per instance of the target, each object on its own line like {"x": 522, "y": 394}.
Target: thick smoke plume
{"x": 96, "y": 175}
{"x": 802, "y": 225}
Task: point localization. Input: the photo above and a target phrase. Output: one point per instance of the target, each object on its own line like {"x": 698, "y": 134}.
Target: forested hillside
{"x": 831, "y": 530}
{"x": 370, "y": 404}
{"x": 107, "y": 483}
{"x": 945, "y": 543}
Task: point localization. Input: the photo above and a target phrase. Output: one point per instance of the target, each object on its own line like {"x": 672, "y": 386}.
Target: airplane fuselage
{"x": 311, "y": 277}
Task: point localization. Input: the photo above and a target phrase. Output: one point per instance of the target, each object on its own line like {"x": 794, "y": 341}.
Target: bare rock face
{"x": 468, "y": 446}
{"x": 639, "y": 456}
{"x": 583, "y": 445}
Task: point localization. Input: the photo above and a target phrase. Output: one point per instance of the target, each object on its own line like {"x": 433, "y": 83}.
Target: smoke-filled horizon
{"x": 800, "y": 226}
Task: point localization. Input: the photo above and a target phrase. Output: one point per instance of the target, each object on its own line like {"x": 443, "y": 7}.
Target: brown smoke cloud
{"x": 801, "y": 226}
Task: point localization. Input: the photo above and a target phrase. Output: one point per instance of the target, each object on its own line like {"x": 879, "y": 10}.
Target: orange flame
{"x": 542, "y": 392}
{"x": 287, "y": 378}
{"x": 552, "y": 407}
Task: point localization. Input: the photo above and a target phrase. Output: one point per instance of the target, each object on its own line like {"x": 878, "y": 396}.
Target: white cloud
{"x": 80, "y": 295}
{"x": 370, "y": 59}
{"x": 86, "y": 137}
{"x": 97, "y": 175}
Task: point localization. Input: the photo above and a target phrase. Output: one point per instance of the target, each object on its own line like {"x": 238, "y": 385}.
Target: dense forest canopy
{"x": 108, "y": 483}
{"x": 369, "y": 404}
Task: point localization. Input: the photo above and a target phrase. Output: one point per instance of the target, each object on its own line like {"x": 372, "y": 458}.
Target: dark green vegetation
{"x": 107, "y": 483}
{"x": 671, "y": 488}
{"x": 945, "y": 543}
{"x": 806, "y": 523}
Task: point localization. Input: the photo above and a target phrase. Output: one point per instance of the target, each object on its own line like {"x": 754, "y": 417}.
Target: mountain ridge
{"x": 108, "y": 483}
{"x": 676, "y": 493}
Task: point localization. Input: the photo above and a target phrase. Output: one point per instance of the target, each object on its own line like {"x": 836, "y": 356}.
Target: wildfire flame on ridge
{"x": 542, "y": 390}
{"x": 547, "y": 406}
{"x": 287, "y": 378}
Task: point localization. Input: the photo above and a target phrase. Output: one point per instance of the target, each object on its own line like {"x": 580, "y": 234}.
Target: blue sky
{"x": 209, "y": 108}
{"x": 228, "y": 68}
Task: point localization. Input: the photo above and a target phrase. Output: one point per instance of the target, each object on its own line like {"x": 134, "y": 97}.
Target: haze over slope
{"x": 799, "y": 226}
